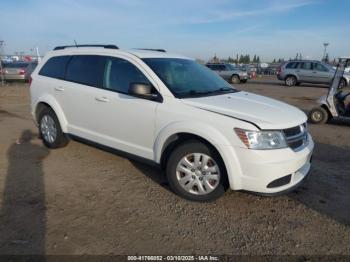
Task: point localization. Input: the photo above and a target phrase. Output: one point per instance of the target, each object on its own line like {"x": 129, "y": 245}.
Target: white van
{"x": 169, "y": 110}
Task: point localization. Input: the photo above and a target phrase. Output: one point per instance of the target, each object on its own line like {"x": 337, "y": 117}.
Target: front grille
{"x": 296, "y": 137}
{"x": 292, "y": 131}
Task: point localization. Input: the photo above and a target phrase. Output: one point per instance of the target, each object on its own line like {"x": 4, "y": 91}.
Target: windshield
{"x": 231, "y": 67}
{"x": 16, "y": 65}
{"x": 186, "y": 78}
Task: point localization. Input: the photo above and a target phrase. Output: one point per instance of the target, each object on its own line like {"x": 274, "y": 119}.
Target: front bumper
{"x": 258, "y": 169}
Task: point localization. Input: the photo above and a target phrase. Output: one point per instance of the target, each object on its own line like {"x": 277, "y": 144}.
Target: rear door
{"x": 305, "y": 72}
{"x": 83, "y": 79}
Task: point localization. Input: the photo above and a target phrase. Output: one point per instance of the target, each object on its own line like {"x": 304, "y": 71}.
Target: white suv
{"x": 169, "y": 110}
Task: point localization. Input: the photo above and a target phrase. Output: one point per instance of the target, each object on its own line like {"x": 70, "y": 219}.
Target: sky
{"x": 196, "y": 28}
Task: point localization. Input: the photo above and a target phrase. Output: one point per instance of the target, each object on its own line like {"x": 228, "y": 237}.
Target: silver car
{"x": 17, "y": 71}
{"x": 308, "y": 71}
{"x": 229, "y": 72}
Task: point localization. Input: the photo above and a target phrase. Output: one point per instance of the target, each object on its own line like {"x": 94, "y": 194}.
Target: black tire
{"x": 318, "y": 115}
{"x": 187, "y": 148}
{"x": 244, "y": 81}
{"x": 290, "y": 81}
{"x": 60, "y": 139}
{"x": 235, "y": 79}
{"x": 342, "y": 83}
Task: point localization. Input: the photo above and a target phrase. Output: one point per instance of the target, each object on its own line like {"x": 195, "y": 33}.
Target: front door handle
{"x": 59, "y": 88}
{"x": 102, "y": 99}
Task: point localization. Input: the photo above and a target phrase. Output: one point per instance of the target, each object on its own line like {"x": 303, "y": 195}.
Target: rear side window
{"x": 55, "y": 67}
{"x": 292, "y": 65}
{"x": 86, "y": 70}
{"x": 120, "y": 74}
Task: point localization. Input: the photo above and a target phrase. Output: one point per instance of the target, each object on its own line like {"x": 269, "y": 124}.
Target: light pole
{"x": 325, "y": 50}
{"x": 1, "y": 68}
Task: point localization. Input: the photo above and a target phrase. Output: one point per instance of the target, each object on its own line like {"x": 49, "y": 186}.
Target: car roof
{"x": 107, "y": 51}
{"x": 303, "y": 60}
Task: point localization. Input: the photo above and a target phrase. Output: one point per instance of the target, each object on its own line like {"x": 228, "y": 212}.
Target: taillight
{"x": 279, "y": 70}
{"x": 22, "y": 71}
{"x": 30, "y": 80}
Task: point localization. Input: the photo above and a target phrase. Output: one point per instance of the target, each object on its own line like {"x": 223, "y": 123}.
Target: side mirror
{"x": 142, "y": 90}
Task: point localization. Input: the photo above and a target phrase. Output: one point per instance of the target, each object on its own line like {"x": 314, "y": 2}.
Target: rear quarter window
{"x": 55, "y": 67}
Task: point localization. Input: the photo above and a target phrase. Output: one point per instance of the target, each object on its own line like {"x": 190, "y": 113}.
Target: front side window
{"x": 119, "y": 74}
{"x": 306, "y": 65}
{"x": 319, "y": 67}
{"x": 55, "y": 67}
{"x": 187, "y": 78}
{"x": 86, "y": 70}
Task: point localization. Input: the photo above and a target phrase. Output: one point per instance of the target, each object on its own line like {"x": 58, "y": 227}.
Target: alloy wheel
{"x": 198, "y": 174}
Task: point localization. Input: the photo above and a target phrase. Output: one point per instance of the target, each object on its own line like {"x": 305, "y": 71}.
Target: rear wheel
{"x": 244, "y": 81}
{"x": 50, "y": 129}
{"x": 318, "y": 115}
{"x": 196, "y": 172}
{"x": 235, "y": 79}
{"x": 291, "y": 81}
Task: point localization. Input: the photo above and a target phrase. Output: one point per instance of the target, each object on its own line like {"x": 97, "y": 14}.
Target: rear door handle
{"x": 102, "y": 99}
{"x": 59, "y": 88}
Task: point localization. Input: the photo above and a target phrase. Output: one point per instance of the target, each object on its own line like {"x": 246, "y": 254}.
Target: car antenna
{"x": 75, "y": 42}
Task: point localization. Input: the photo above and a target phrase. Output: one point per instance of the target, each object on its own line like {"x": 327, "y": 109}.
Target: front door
{"x": 125, "y": 121}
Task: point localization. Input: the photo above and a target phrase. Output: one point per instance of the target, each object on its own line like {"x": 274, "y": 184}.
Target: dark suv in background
{"x": 308, "y": 71}
{"x": 229, "y": 72}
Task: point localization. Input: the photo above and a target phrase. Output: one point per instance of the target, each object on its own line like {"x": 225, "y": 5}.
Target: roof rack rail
{"x": 152, "y": 49}
{"x": 69, "y": 46}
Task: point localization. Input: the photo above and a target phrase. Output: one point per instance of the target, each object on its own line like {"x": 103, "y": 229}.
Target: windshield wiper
{"x": 207, "y": 92}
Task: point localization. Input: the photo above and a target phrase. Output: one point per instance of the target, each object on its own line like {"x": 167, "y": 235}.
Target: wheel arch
{"x": 177, "y": 133}
{"x": 288, "y": 75}
{"x": 53, "y": 104}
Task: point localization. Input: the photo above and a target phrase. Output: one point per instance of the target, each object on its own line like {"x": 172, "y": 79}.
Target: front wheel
{"x": 196, "y": 172}
{"x": 235, "y": 79}
{"x": 342, "y": 83}
{"x": 318, "y": 115}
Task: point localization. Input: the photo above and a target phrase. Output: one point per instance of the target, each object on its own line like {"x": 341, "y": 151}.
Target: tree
{"x": 254, "y": 59}
{"x": 274, "y": 60}
{"x": 258, "y": 59}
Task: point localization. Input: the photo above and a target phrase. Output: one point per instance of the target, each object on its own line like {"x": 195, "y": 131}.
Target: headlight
{"x": 262, "y": 139}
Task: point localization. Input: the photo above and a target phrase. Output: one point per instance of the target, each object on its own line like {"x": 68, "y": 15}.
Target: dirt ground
{"x": 82, "y": 200}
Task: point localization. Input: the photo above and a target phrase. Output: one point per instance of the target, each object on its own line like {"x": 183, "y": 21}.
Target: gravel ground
{"x": 82, "y": 200}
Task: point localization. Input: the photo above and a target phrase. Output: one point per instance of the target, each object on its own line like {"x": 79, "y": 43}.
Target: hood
{"x": 262, "y": 111}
